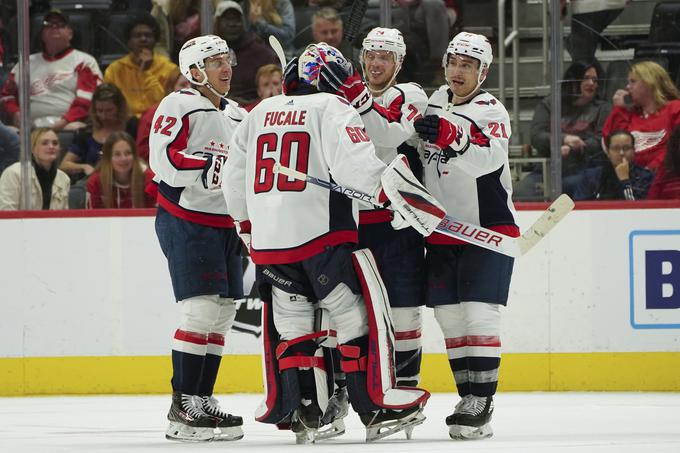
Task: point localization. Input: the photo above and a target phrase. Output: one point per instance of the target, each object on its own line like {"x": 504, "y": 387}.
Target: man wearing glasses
{"x": 62, "y": 79}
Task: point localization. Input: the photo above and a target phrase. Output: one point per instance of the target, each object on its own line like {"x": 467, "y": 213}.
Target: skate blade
{"x": 394, "y": 426}
{"x": 337, "y": 428}
{"x": 462, "y": 432}
{"x": 308, "y": 436}
{"x": 182, "y": 433}
{"x": 228, "y": 434}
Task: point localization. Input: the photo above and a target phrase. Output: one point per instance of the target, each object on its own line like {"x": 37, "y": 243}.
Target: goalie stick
{"x": 459, "y": 229}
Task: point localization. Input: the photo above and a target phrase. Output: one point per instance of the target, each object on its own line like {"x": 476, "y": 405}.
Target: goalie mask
{"x": 314, "y": 57}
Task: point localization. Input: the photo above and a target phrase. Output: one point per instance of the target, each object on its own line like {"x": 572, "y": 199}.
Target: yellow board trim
{"x": 610, "y": 371}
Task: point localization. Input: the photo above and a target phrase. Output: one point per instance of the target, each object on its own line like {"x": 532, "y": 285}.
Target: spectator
{"x": 276, "y": 18}
{"x": 654, "y": 113}
{"x": 251, "y": 53}
{"x": 666, "y": 184}
{"x": 327, "y": 26}
{"x": 9, "y": 146}
{"x": 427, "y": 18}
{"x": 268, "y": 83}
{"x": 618, "y": 179}
{"x": 589, "y": 18}
{"x": 62, "y": 79}
{"x": 108, "y": 113}
{"x": 176, "y": 81}
{"x": 141, "y": 75}
{"x": 178, "y": 21}
{"x": 49, "y": 185}
{"x": 120, "y": 178}
{"x": 583, "y": 115}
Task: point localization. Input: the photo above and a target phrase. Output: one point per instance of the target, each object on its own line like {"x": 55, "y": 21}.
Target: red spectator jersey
{"x": 664, "y": 186}
{"x": 651, "y": 132}
{"x": 122, "y": 195}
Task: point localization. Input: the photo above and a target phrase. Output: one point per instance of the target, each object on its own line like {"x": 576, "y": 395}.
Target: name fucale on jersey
{"x": 179, "y": 143}
{"x": 292, "y": 220}
{"x": 475, "y": 186}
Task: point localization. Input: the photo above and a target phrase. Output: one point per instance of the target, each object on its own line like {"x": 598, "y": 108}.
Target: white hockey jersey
{"x": 475, "y": 186}
{"x": 186, "y": 128}
{"x": 318, "y": 134}
{"x": 389, "y": 123}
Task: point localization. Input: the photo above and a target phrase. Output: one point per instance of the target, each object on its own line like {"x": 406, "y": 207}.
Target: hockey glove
{"x": 212, "y": 172}
{"x": 398, "y": 221}
{"x": 345, "y": 81}
{"x": 449, "y": 137}
{"x": 243, "y": 230}
{"x": 290, "y": 77}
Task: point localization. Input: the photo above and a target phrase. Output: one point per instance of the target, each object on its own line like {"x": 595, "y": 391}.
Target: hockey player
{"x": 304, "y": 238}
{"x": 188, "y": 144}
{"x": 388, "y": 116}
{"x": 466, "y": 165}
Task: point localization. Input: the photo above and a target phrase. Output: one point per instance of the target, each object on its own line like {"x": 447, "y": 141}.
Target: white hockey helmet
{"x": 389, "y": 39}
{"x": 196, "y": 50}
{"x": 471, "y": 45}
{"x": 316, "y": 55}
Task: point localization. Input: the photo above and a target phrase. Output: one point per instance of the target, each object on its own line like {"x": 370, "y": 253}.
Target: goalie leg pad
{"x": 380, "y": 379}
{"x": 410, "y": 198}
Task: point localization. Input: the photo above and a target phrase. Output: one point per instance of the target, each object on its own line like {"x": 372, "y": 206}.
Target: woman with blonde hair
{"x": 49, "y": 185}
{"x": 655, "y": 111}
{"x": 120, "y": 178}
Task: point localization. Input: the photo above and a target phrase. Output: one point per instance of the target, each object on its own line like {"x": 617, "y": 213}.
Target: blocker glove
{"x": 212, "y": 172}
{"x": 290, "y": 77}
{"x": 448, "y": 136}
{"x": 344, "y": 80}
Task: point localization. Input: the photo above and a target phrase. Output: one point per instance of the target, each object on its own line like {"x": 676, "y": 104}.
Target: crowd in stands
{"x": 626, "y": 147}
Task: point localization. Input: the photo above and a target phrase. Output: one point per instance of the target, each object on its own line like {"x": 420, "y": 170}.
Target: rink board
{"x": 88, "y": 307}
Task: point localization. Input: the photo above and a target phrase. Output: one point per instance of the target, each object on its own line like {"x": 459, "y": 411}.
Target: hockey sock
{"x": 188, "y": 356}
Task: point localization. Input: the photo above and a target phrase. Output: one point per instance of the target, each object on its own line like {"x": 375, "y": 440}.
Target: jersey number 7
{"x": 267, "y": 147}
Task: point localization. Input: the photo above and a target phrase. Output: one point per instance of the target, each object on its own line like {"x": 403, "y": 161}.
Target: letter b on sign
{"x": 662, "y": 275}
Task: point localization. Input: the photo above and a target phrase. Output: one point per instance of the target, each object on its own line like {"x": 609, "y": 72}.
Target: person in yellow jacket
{"x": 49, "y": 185}
{"x": 141, "y": 74}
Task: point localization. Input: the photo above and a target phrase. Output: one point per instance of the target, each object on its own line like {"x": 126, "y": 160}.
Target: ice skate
{"x": 305, "y": 422}
{"x": 188, "y": 420}
{"x": 471, "y": 418}
{"x": 333, "y": 418}
{"x": 385, "y": 422}
{"x": 229, "y": 426}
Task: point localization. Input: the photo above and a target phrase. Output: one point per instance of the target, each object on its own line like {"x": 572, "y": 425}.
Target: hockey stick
{"x": 356, "y": 16}
{"x": 459, "y": 229}
{"x": 278, "y": 49}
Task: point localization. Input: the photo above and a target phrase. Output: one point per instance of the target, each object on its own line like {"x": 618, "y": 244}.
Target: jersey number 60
{"x": 267, "y": 145}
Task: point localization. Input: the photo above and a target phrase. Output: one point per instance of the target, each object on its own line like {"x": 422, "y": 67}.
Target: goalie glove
{"x": 409, "y": 198}
{"x": 448, "y": 136}
{"x": 243, "y": 230}
{"x": 344, "y": 80}
{"x": 212, "y": 172}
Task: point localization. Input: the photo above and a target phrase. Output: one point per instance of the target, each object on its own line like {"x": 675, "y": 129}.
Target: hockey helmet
{"x": 196, "y": 50}
{"x": 472, "y": 45}
{"x": 389, "y": 39}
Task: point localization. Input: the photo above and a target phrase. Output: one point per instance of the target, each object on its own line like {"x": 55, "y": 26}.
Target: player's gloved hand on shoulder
{"x": 212, "y": 172}
{"x": 290, "y": 77}
{"x": 448, "y": 136}
{"x": 343, "y": 79}
{"x": 243, "y": 231}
